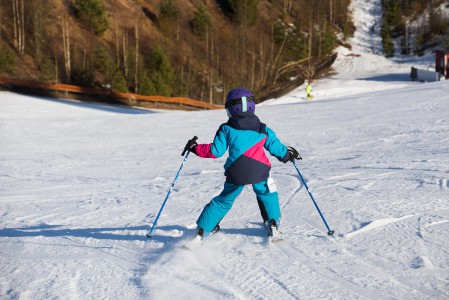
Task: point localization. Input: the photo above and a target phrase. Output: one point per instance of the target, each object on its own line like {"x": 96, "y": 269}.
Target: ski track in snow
{"x": 81, "y": 184}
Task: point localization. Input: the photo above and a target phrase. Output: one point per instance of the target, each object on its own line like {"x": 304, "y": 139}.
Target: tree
{"x": 47, "y": 68}
{"x": 6, "y": 60}
{"x": 437, "y": 24}
{"x": 146, "y": 84}
{"x": 201, "y": 22}
{"x": 388, "y": 46}
{"x": 421, "y": 41}
{"x": 168, "y": 9}
{"x": 162, "y": 74}
{"x": 118, "y": 82}
{"x": 169, "y": 18}
{"x": 93, "y": 14}
{"x": 242, "y": 12}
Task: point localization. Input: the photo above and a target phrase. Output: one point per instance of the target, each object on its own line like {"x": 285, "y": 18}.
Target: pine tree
{"x": 92, "y": 13}
{"x": 201, "y": 22}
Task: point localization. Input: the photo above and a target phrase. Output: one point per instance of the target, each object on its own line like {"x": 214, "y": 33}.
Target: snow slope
{"x": 80, "y": 184}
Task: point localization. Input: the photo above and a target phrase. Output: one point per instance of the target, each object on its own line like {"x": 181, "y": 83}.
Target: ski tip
{"x": 276, "y": 238}
{"x": 275, "y": 241}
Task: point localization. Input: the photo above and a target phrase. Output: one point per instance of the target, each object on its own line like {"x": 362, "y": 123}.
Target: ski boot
{"x": 201, "y": 234}
{"x": 274, "y": 233}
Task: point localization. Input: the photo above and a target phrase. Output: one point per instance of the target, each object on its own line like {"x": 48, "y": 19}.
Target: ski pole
{"x": 329, "y": 232}
{"x": 149, "y": 236}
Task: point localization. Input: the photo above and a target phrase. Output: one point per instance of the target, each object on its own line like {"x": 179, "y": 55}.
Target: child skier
{"x": 246, "y": 138}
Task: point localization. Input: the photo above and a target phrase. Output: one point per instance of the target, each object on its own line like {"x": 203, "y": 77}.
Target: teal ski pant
{"x": 219, "y": 206}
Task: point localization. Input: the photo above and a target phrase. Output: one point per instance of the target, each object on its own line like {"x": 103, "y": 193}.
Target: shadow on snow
{"x": 106, "y": 233}
{"x": 389, "y": 77}
{"x": 113, "y": 108}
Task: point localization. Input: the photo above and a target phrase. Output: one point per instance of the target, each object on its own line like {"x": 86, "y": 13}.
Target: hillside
{"x": 187, "y": 48}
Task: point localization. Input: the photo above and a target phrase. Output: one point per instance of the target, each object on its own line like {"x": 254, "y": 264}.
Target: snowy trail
{"x": 379, "y": 176}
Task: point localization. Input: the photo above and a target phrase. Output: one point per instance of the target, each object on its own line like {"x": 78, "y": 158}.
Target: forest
{"x": 414, "y": 25}
{"x": 191, "y": 48}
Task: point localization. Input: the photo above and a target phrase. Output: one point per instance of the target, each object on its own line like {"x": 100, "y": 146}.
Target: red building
{"x": 442, "y": 63}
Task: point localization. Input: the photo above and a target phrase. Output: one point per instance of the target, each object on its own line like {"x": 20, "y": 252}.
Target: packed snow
{"x": 81, "y": 184}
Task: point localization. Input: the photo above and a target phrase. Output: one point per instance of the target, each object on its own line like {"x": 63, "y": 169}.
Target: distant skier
{"x": 309, "y": 90}
{"x": 245, "y": 137}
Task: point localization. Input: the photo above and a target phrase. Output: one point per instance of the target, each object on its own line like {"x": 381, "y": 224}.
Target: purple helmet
{"x": 239, "y": 100}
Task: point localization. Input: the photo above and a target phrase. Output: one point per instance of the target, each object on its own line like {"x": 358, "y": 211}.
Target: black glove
{"x": 190, "y": 146}
{"x": 293, "y": 154}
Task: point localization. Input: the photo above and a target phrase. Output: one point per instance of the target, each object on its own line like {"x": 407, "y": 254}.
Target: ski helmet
{"x": 239, "y": 100}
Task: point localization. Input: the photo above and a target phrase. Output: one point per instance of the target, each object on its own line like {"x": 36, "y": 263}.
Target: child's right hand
{"x": 190, "y": 146}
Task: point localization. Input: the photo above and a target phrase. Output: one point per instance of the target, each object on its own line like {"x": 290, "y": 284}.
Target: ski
{"x": 274, "y": 238}
{"x": 199, "y": 238}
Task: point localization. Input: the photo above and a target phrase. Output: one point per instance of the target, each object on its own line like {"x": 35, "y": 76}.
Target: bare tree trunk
{"x": 406, "y": 37}
{"x": 19, "y": 26}
{"x": 203, "y": 82}
{"x": 189, "y": 74}
{"x": 22, "y": 24}
{"x": 125, "y": 55}
{"x": 253, "y": 70}
{"x": 261, "y": 79}
{"x": 0, "y": 24}
{"x": 14, "y": 21}
{"x": 331, "y": 13}
{"x": 277, "y": 57}
{"x": 39, "y": 9}
{"x": 319, "y": 42}
{"x": 37, "y": 32}
{"x": 182, "y": 71}
{"x": 271, "y": 55}
{"x": 137, "y": 60}
{"x": 84, "y": 63}
{"x": 117, "y": 44}
{"x": 218, "y": 65}
{"x": 205, "y": 71}
{"x": 66, "y": 45}
{"x": 56, "y": 67}
{"x": 310, "y": 46}
{"x": 210, "y": 67}
{"x": 287, "y": 6}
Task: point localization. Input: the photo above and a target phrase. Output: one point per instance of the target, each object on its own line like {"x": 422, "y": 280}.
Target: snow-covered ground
{"x": 80, "y": 184}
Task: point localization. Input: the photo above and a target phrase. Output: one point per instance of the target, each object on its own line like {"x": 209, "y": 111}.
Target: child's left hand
{"x": 293, "y": 154}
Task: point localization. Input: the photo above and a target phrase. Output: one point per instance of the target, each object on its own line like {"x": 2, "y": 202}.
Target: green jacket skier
{"x": 309, "y": 91}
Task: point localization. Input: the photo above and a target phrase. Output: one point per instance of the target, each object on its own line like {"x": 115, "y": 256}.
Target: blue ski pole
{"x": 329, "y": 232}
{"x": 149, "y": 236}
